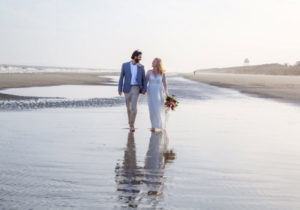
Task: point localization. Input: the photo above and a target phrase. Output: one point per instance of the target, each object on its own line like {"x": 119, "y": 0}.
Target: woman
{"x": 157, "y": 92}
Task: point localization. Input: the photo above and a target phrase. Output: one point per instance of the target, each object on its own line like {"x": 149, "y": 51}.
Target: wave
{"x": 40, "y": 103}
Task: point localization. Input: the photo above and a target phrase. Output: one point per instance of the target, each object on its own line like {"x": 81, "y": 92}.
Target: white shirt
{"x": 133, "y": 74}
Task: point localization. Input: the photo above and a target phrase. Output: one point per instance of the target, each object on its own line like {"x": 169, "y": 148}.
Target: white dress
{"x": 156, "y": 92}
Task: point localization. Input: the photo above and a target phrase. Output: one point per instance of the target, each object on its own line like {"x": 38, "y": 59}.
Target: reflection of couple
{"x": 138, "y": 183}
{"x": 133, "y": 81}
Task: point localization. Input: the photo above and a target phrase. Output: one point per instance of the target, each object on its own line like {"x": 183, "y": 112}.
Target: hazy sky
{"x": 186, "y": 34}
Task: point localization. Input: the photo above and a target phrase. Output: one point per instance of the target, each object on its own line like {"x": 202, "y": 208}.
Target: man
{"x": 132, "y": 82}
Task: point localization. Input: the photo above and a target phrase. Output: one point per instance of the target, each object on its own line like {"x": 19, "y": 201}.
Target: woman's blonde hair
{"x": 161, "y": 69}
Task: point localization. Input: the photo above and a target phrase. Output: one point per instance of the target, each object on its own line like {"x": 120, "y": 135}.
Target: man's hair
{"x": 135, "y": 53}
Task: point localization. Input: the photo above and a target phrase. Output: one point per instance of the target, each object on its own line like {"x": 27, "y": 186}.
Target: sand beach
{"x": 78, "y": 153}
{"x": 263, "y": 81}
{"x": 17, "y": 80}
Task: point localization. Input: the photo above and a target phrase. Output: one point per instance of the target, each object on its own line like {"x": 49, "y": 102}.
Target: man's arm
{"x": 147, "y": 76}
{"x": 144, "y": 81}
{"x": 122, "y": 74}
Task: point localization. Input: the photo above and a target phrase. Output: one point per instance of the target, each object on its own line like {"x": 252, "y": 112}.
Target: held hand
{"x": 120, "y": 93}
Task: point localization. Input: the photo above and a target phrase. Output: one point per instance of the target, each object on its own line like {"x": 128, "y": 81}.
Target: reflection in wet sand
{"x": 140, "y": 186}
{"x": 128, "y": 175}
{"x": 155, "y": 161}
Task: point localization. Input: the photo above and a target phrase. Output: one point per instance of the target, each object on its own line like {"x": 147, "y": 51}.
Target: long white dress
{"x": 156, "y": 92}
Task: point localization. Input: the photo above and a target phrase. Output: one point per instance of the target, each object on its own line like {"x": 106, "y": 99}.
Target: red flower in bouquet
{"x": 171, "y": 102}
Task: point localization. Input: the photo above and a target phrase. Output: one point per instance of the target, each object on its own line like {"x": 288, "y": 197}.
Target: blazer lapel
{"x": 138, "y": 71}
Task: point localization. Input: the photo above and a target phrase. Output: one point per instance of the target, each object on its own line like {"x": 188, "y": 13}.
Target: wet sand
{"x": 232, "y": 151}
{"x": 284, "y": 87}
{"x": 16, "y": 80}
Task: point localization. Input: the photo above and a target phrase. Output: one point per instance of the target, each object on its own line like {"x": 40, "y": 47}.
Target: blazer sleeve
{"x": 121, "y": 80}
{"x": 144, "y": 81}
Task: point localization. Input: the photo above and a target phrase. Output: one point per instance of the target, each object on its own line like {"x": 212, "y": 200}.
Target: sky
{"x": 186, "y": 34}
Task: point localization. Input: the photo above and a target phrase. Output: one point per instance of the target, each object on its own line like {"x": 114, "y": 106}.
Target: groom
{"x": 132, "y": 82}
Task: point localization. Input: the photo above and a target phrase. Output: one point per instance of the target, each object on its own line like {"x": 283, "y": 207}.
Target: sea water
{"x": 221, "y": 150}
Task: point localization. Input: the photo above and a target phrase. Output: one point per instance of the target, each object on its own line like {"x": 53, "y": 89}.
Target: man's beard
{"x": 136, "y": 60}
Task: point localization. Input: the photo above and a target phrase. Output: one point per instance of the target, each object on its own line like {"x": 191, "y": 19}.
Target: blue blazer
{"x": 125, "y": 78}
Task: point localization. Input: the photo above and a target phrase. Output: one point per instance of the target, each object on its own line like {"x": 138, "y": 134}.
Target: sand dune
{"x": 268, "y": 69}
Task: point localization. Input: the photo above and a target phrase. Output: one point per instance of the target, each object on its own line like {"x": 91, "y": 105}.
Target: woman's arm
{"x": 147, "y": 76}
{"x": 164, "y": 81}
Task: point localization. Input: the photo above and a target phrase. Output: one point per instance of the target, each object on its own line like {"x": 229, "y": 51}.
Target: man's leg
{"x": 128, "y": 104}
{"x": 134, "y": 100}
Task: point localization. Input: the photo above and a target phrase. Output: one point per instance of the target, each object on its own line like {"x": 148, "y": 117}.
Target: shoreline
{"x": 19, "y": 80}
{"x": 282, "y": 87}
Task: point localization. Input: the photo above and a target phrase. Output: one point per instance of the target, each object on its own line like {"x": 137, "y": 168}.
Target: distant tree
{"x": 246, "y": 61}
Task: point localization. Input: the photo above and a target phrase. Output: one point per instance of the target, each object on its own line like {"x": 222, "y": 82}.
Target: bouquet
{"x": 171, "y": 102}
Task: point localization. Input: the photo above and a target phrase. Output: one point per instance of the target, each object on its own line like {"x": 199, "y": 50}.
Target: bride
{"x": 157, "y": 92}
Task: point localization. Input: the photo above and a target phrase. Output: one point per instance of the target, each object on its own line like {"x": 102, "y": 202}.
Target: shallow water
{"x": 232, "y": 151}
{"x": 65, "y": 91}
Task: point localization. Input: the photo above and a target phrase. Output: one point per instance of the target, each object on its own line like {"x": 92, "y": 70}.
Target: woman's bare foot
{"x": 132, "y": 129}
